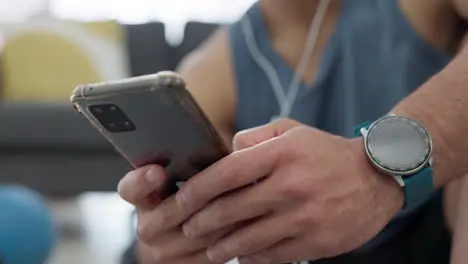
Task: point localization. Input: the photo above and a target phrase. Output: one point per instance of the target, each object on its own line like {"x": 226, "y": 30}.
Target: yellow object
{"x": 107, "y": 29}
{"x": 45, "y": 62}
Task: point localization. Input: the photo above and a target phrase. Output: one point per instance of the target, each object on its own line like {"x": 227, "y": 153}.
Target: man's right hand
{"x": 161, "y": 239}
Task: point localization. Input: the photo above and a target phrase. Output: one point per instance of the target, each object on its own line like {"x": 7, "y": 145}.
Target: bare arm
{"x": 441, "y": 105}
{"x": 209, "y": 78}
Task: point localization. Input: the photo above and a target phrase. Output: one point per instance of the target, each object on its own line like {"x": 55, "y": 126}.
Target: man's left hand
{"x": 301, "y": 193}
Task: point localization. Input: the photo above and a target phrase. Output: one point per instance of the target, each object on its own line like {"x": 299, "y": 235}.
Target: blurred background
{"x": 47, "y": 47}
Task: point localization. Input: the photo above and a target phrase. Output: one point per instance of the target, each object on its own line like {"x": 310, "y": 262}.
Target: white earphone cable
{"x": 263, "y": 62}
{"x": 312, "y": 37}
{"x": 286, "y": 98}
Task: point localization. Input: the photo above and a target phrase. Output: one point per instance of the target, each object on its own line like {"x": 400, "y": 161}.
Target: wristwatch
{"x": 402, "y": 148}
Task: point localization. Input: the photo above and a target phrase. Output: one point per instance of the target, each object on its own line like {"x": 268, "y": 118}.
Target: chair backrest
{"x": 45, "y": 60}
{"x": 147, "y": 48}
{"x": 195, "y": 34}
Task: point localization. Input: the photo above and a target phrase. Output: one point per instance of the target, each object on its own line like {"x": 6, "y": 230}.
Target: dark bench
{"x": 51, "y": 148}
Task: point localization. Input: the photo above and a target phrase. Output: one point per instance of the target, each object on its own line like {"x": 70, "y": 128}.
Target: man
{"x": 319, "y": 194}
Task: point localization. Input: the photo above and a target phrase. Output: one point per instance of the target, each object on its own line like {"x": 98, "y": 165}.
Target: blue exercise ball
{"x": 27, "y": 230}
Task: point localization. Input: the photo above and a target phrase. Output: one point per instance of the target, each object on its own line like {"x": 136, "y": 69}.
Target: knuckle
{"x": 288, "y": 190}
{"x": 286, "y": 122}
{"x": 235, "y": 156}
{"x": 301, "y": 128}
{"x": 160, "y": 256}
{"x": 232, "y": 176}
{"x": 286, "y": 151}
{"x": 220, "y": 214}
{"x": 304, "y": 220}
{"x": 240, "y": 138}
{"x": 292, "y": 190}
{"x": 301, "y": 132}
{"x": 143, "y": 234}
{"x": 144, "y": 230}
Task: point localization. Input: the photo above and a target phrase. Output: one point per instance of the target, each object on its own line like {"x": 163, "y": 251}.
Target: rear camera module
{"x": 112, "y": 118}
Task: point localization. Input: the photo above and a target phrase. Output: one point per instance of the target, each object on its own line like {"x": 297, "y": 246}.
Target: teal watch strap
{"x": 418, "y": 187}
{"x": 357, "y": 130}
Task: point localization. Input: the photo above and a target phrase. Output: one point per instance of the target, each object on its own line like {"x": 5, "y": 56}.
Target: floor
{"x": 97, "y": 227}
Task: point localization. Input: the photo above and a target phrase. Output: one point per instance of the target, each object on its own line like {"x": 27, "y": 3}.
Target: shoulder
{"x": 436, "y": 21}
{"x": 461, "y": 7}
{"x": 212, "y": 55}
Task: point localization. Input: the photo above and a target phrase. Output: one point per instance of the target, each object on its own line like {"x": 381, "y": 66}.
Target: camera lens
{"x": 97, "y": 110}
{"x": 112, "y": 118}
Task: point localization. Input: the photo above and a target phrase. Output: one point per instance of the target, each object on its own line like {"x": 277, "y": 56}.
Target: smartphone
{"x": 153, "y": 119}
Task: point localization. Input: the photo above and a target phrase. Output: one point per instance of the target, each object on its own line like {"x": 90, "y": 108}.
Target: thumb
{"x": 143, "y": 187}
{"x": 254, "y": 136}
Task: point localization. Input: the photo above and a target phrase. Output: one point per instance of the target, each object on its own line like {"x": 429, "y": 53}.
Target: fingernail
{"x": 181, "y": 199}
{"x": 151, "y": 175}
{"x": 213, "y": 256}
{"x": 188, "y": 232}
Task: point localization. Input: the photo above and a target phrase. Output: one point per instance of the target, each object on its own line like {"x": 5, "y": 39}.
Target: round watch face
{"x": 398, "y": 145}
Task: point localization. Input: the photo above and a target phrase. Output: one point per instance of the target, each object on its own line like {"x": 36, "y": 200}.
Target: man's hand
{"x": 315, "y": 196}
{"x": 160, "y": 235}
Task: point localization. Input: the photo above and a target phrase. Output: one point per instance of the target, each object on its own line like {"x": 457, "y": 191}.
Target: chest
{"x": 372, "y": 60}
{"x": 359, "y": 79}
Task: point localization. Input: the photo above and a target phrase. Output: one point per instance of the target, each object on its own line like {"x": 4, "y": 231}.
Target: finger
{"x": 195, "y": 258}
{"x": 248, "y": 203}
{"x": 139, "y": 184}
{"x": 235, "y": 171}
{"x": 252, "y": 238}
{"x": 175, "y": 243}
{"x": 286, "y": 251}
{"x": 143, "y": 253}
{"x": 164, "y": 217}
{"x": 254, "y": 136}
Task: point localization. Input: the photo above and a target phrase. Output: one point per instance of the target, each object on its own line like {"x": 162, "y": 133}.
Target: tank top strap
{"x": 251, "y": 81}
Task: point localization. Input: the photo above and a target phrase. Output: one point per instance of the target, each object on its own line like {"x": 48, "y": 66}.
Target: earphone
{"x": 286, "y": 98}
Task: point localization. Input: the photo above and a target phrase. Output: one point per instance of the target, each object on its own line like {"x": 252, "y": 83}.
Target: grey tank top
{"x": 373, "y": 59}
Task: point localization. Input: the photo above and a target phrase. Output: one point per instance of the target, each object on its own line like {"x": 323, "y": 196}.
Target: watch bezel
{"x": 381, "y": 166}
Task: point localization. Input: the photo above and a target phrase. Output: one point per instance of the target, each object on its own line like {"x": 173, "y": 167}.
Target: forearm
{"x": 441, "y": 105}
